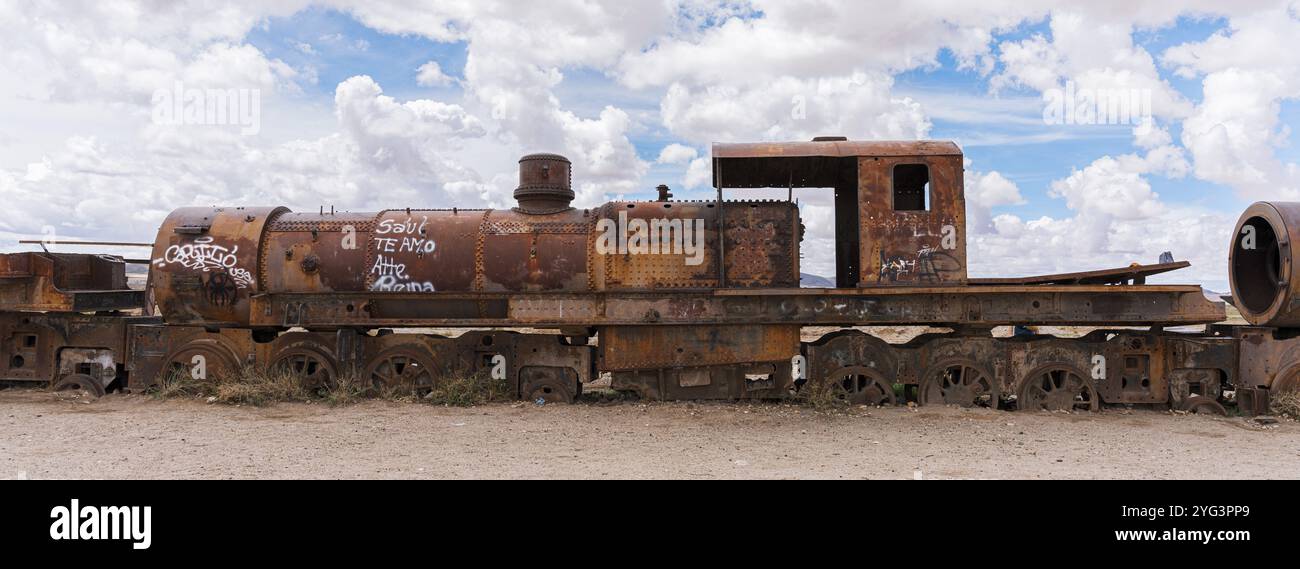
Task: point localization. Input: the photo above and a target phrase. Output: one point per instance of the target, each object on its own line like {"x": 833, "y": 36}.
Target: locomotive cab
{"x": 899, "y": 208}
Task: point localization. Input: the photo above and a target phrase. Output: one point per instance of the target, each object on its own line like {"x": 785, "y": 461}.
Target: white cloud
{"x": 1093, "y": 51}
{"x": 123, "y": 51}
{"x": 985, "y": 191}
{"x": 430, "y": 75}
{"x": 1108, "y": 188}
{"x": 676, "y": 154}
{"x": 858, "y": 106}
{"x": 699, "y": 174}
{"x": 1116, "y": 219}
{"x": 402, "y": 136}
{"x": 516, "y": 54}
{"x": 1249, "y": 70}
{"x": 384, "y": 153}
{"x": 815, "y": 39}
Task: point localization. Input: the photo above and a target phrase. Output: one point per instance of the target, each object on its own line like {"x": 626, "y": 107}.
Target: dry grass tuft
{"x": 257, "y": 387}
{"x": 1286, "y": 403}
{"x": 822, "y": 396}
{"x": 261, "y": 387}
{"x": 469, "y": 390}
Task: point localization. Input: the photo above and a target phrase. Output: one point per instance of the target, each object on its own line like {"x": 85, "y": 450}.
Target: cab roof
{"x": 836, "y": 148}
{"x": 816, "y": 164}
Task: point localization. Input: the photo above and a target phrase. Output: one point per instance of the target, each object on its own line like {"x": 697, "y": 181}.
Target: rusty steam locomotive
{"x": 671, "y": 299}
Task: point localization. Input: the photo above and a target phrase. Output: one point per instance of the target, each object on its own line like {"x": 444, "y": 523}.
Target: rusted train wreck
{"x": 673, "y": 299}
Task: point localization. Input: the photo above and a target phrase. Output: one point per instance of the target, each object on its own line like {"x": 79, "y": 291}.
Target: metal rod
{"x": 722, "y": 233}
{"x": 96, "y": 243}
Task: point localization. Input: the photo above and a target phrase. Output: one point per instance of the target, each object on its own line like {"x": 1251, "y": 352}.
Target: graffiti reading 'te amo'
{"x": 395, "y": 244}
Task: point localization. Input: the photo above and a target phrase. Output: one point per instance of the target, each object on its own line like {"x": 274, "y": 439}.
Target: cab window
{"x": 911, "y": 187}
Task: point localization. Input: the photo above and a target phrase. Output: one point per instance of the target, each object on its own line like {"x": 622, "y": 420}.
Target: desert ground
{"x": 49, "y": 435}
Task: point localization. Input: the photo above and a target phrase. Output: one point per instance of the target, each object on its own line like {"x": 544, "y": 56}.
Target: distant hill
{"x": 815, "y": 281}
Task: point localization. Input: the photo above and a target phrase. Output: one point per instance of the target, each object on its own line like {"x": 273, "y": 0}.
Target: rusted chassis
{"x": 970, "y": 305}
{"x": 535, "y": 365}
{"x": 671, "y": 362}
{"x": 1105, "y": 366}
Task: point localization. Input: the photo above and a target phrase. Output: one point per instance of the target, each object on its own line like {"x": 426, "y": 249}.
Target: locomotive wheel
{"x": 858, "y": 385}
{"x": 1289, "y": 380}
{"x": 217, "y": 361}
{"x": 1203, "y": 405}
{"x": 960, "y": 382}
{"x": 402, "y": 369}
{"x": 312, "y": 367}
{"x": 80, "y": 382}
{"x": 1057, "y": 387}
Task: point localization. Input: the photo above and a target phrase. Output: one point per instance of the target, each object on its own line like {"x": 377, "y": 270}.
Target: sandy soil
{"x": 134, "y": 436}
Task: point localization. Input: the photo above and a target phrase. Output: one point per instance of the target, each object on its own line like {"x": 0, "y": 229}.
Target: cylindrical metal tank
{"x": 1265, "y": 288}
{"x": 209, "y": 262}
{"x": 205, "y": 263}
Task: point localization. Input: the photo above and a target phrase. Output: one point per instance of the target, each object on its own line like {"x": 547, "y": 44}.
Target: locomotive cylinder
{"x": 1265, "y": 287}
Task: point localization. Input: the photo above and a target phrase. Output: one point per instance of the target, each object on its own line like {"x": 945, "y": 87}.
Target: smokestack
{"x": 545, "y": 184}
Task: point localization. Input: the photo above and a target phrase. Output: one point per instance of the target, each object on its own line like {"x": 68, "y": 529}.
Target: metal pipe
{"x": 96, "y": 243}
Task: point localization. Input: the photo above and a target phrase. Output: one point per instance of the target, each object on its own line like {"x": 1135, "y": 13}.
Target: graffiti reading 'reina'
{"x": 206, "y": 256}
{"x": 395, "y": 243}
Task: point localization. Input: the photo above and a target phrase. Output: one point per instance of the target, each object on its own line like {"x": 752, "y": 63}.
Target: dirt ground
{"x": 137, "y": 436}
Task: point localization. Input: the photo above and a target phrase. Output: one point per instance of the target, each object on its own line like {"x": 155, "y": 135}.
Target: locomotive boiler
{"x": 670, "y": 299}
{"x": 209, "y": 263}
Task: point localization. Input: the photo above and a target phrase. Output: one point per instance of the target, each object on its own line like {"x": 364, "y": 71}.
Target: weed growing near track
{"x": 1286, "y": 403}
{"x": 259, "y": 387}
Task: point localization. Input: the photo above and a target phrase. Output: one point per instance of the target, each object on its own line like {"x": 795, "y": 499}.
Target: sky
{"x": 366, "y": 105}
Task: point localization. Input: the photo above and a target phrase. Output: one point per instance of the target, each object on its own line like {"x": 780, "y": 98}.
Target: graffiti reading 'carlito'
{"x": 204, "y": 255}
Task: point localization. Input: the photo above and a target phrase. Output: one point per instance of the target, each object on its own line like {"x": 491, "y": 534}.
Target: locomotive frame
{"x": 321, "y": 294}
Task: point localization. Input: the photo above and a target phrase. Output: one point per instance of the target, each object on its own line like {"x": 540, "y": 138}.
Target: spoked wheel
{"x": 80, "y": 383}
{"x": 200, "y": 360}
{"x": 314, "y": 369}
{"x": 1057, "y": 388}
{"x": 859, "y": 385}
{"x": 402, "y": 369}
{"x": 958, "y": 382}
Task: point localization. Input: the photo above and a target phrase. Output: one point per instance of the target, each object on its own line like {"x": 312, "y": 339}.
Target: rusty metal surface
{"x": 532, "y": 363}
{"x": 206, "y": 264}
{"x": 45, "y": 347}
{"x": 545, "y": 184}
{"x": 761, "y": 248}
{"x": 65, "y": 282}
{"x": 642, "y": 347}
{"x": 1267, "y": 359}
{"x": 1261, "y": 268}
{"x": 900, "y": 247}
{"x": 310, "y": 253}
{"x": 1133, "y": 274}
{"x": 625, "y": 269}
{"x": 817, "y": 164}
{"x": 1110, "y": 366}
{"x": 836, "y": 148}
{"x": 1095, "y": 305}
{"x": 209, "y": 271}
